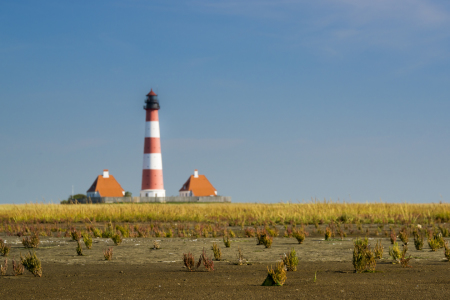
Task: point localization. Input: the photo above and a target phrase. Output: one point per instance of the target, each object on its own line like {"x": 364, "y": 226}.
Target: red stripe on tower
{"x": 152, "y": 175}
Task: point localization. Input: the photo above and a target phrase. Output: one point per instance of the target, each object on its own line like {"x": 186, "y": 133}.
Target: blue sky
{"x": 271, "y": 100}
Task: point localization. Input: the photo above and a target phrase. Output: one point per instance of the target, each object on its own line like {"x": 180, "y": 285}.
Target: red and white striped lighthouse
{"x": 152, "y": 175}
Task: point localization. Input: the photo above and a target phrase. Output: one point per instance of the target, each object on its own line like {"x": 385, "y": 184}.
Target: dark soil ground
{"x": 336, "y": 280}
{"x": 138, "y": 272}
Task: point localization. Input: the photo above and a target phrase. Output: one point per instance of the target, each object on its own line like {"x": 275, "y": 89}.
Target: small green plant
{"x": 161, "y": 233}
{"x": 109, "y": 232}
{"x": 393, "y": 236}
{"x": 418, "y": 240}
{"x": 404, "y": 261}
{"x": 196, "y": 234}
{"x": 141, "y": 233}
{"x": 17, "y": 268}
{"x": 288, "y": 232}
{"x": 363, "y": 257}
{"x": 156, "y": 245}
{"x": 232, "y": 234}
{"x": 79, "y": 249}
{"x": 207, "y": 262}
{"x": 97, "y": 232}
{"x": 108, "y": 253}
{"x": 4, "y": 249}
{"x": 433, "y": 243}
{"x": 249, "y": 232}
{"x": 267, "y": 241}
{"x": 260, "y": 234}
{"x": 275, "y": 276}
{"x": 444, "y": 231}
{"x": 76, "y": 236}
{"x": 300, "y": 235}
{"x": 315, "y": 276}
{"x": 188, "y": 260}
{"x": 378, "y": 250}
{"x": 272, "y": 231}
{"x": 4, "y": 268}
{"x": 217, "y": 252}
{"x": 241, "y": 260}
{"x": 395, "y": 252}
{"x": 226, "y": 241}
{"x": 328, "y": 233}
{"x": 32, "y": 263}
{"x": 404, "y": 235}
{"x": 447, "y": 251}
{"x": 440, "y": 240}
{"x": 291, "y": 260}
{"x": 117, "y": 239}
{"x": 87, "y": 240}
{"x": 31, "y": 241}
{"x": 125, "y": 231}
{"x": 169, "y": 233}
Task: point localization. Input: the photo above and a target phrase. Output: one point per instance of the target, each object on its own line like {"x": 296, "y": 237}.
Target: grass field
{"x": 234, "y": 214}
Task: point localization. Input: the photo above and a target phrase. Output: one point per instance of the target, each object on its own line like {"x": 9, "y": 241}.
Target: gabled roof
{"x": 199, "y": 186}
{"x": 106, "y": 187}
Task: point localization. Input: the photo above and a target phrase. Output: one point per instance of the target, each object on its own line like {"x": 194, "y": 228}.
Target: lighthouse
{"x": 152, "y": 174}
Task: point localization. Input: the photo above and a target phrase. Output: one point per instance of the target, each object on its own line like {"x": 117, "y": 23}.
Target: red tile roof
{"x": 106, "y": 187}
{"x": 199, "y": 186}
{"x": 152, "y": 93}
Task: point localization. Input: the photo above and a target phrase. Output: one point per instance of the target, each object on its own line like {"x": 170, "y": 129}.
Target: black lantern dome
{"x": 152, "y": 101}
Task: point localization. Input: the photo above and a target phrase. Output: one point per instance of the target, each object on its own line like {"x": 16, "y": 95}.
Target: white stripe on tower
{"x": 152, "y": 129}
{"x": 152, "y": 161}
{"x": 152, "y": 176}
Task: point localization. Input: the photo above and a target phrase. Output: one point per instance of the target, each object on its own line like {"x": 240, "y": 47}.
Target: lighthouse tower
{"x": 152, "y": 175}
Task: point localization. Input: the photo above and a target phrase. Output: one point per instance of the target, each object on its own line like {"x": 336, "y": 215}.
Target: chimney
{"x": 195, "y": 173}
{"x": 105, "y": 174}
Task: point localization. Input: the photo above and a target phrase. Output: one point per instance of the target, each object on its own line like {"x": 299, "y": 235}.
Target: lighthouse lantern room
{"x": 152, "y": 174}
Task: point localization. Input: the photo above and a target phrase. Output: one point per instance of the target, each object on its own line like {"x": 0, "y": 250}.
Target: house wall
{"x": 186, "y": 194}
{"x": 93, "y": 194}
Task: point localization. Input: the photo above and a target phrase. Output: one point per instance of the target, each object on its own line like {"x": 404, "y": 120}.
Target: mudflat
{"x": 137, "y": 271}
{"x": 334, "y": 280}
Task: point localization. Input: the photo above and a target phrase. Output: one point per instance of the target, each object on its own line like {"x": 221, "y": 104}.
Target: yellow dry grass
{"x": 235, "y": 213}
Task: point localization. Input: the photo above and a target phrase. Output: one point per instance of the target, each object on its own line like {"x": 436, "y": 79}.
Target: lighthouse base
{"x": 153, "y": 193}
